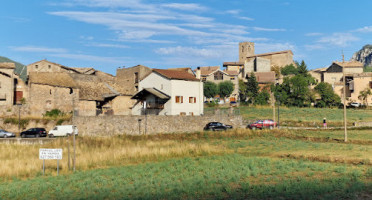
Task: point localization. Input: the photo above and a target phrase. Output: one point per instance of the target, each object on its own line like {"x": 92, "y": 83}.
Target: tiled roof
{"x": 350, "y": 64}
{"x": 265, "y": 77}
{"x": 174, "y": 74}
{"x": 231, "y": 72}
{"x": 7, "y": 65}
{"x": 90, "y": 87}
{"x": 271, "y": 53}
{"x": 233, "y": 63}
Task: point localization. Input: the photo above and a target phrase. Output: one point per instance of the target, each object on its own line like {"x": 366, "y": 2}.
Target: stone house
{"x": 86, "y": 95}
{"x": 215, "y": 75}
{"x": 356, "y": 80}
{"x": 169, "y": 92}
{"x": 7, "y": 84}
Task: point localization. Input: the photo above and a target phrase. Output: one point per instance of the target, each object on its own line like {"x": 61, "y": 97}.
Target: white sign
{"x": 50, "y": 154}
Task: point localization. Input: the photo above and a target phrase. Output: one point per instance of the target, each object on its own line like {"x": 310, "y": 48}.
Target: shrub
{"x": 54, "y": 113}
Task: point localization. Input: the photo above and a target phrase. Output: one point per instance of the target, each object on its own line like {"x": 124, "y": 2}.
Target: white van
{"x": 63, "y": 130}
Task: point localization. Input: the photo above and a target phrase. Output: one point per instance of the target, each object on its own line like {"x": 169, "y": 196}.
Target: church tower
{"x": 245, "y": 49}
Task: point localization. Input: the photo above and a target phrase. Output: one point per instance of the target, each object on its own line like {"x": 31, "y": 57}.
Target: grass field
{"x": 311, "y": 117}
{"x": 237, "y": 164}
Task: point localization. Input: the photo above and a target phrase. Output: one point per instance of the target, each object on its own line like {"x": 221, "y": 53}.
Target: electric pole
{"x": 344, "y": 97}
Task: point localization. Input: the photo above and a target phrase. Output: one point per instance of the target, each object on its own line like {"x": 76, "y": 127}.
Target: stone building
{"x": 169, "y": 92}
{"x": 215, "y": 75}
{"x": 7, "y": 84}
{"x": 356, "y": 79}
{"x": 251, "y": 62}
{"x": 86, "y": 95}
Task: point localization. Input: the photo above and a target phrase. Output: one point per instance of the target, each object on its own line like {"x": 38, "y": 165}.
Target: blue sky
{"x": 107, "y": 34}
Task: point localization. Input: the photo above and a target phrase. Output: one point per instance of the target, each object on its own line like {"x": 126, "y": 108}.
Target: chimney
{"x": 198, "y": 73}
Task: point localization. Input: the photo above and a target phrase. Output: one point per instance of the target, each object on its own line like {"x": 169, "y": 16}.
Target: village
{"x": 139, "y": 90}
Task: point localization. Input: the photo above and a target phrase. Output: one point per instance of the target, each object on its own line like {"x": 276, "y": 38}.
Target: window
{"x": 204, "y": 79}
{"x": 135, "y": 77}
{"x": 218, "y": 75}
{"x": 192, "y": 99}
{"x": 36, "y": 66}
{"x": 49, "y": 66}
{"x": 179, "y": 99}
{"x": 136, "y": 88}
{"x": 232, "y": 78}
{"x": 370, "y": 84}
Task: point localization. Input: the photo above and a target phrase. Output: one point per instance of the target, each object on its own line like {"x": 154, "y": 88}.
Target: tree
{"x": 364, "y": 95}
{"x": 225, "y": 89}
{"x": 210, "y": 89}
{"x": 302, "y": 68}
{"x": 262, "y": 98}
{"x": 242, "y": 90}
{"x": 252, "y": 88}
{"x": 328, "y": 98}
{"x": 289, "y": 70}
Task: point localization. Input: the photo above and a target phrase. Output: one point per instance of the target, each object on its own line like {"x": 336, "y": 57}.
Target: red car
{"x": 261, "y": 124}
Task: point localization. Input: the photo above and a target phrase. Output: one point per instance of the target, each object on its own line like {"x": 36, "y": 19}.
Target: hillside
{"x": 364, "y": 55}
{"x": 20, "y": 69}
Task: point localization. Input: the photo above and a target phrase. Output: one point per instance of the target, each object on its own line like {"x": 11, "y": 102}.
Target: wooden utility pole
{"x": 273, "y": 104}
{"x": 344, "y": 97}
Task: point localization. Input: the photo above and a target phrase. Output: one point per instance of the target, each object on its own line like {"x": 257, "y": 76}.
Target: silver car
{"x": 6, "y": 134}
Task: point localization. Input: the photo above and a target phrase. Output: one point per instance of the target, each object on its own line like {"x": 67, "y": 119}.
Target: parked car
{"x": 217, "y": 126}
{"x": 63, "y": 130}
{"x": 6, "y": 134}
{"x": 36, "y": 132}
{"x": 355, "y": 105}
{"x": 261, "y": 124}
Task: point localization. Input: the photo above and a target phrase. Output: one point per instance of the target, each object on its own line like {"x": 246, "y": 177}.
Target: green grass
{"x": 353, "y": 134}
{"x": 276, "y": 164}
{"x": 312, "y": 117}
{"x": 231, "y": 176}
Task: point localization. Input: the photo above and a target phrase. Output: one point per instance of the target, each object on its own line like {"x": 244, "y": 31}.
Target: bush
{"x": 54, "y": 113}
{"x": 212, "y": 104}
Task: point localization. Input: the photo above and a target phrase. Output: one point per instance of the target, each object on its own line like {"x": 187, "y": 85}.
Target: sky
{"x": 108, "y": 34}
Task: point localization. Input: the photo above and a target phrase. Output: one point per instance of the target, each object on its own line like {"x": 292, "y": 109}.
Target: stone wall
{"x": 134, "y": 125}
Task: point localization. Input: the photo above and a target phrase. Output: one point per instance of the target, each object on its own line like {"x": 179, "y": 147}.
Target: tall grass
{"x": 230, "y": 176}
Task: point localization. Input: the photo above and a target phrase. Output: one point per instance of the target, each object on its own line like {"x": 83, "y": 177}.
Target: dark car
{"x": 36, "y": 132}
{"x": 217, "y": 126}
{"x": 261, "y": 124}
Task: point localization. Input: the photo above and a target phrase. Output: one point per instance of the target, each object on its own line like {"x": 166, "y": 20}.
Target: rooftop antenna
{"x": 343, "y": 56}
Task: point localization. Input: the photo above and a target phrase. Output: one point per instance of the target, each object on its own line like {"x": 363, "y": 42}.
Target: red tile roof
{"x": 175, "y": 74}
{"x": 264, "y": 77}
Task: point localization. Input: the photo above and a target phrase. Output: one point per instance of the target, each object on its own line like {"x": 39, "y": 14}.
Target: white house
{"x": 169, "y": 92}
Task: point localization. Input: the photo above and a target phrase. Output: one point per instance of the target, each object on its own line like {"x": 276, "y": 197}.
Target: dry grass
{"x": 95, "y": 152}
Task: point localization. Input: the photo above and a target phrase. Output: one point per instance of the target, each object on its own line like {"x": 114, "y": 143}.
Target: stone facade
{"x": 47, "y": 66}
{"x": 45, "y": 98}
{"x": 128, "y": 78}
{"x": 7, "y": 81}
{"x": 135, "y": 125}
{"x": 246, "y": 49}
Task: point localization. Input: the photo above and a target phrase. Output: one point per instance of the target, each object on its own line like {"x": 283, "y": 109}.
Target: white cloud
{"x": 311, "y": 47}
{"x": 313, "y": 34}
{"x": 107, "y": 45}
{"x": 233, "y": 12}
{"x": 268, "y": 29}
{"x": 38, "y": 49}
{"x": 84, "y": 57}
{"x": 272, "y": 47}
{"x": 246, "y": 18}
{"x": 185, "y": 6}
{"x": 366, "y": 29}
{"x": 338, "y": 39}
{"x": 188, "y": 51}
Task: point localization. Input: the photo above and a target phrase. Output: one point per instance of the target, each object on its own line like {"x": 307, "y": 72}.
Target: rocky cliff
{"x": 364, "y": 55}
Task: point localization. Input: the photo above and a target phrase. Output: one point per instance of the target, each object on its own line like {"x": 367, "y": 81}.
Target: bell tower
{"x": 245, "y": 49}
